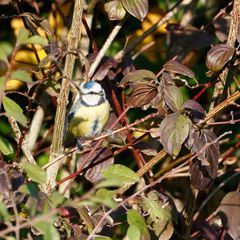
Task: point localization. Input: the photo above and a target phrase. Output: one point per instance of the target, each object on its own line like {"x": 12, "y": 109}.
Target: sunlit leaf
{"x": 115, "y": 10}
{"x": 229, "y": 213}
{"x": 34, "y": 172}
{"x": 21, "y": 75}
{"x": 138, "y": 76}
{"x": 174, "y": 130}
{"x": 14, "y": 110}
{"x": 218, "y": 56}
{"x": 176, "y": 67}
{"x": 121, "y": 173}
{"x": 173, "y": 97}
{"x": 161, "y": 215}
{"x": 5, "y": 146}
{"x": 137, "y": 8}
{"x": 104, "y": 197}
{"x": 23, "y": 35}
{"x": 137, "y": 222}
{"x": 36, "y": 40}
{"x": 141, "y": 95}
{"x": 4, "y": 211}
{"x": 133, "y": 233}
{"x": 47, "y": 229}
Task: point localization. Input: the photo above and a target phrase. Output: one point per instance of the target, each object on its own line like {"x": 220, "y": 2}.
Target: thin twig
{"x": 104, "y": 48}
{"x": 24, "y": 144}
{"x": 56, "y": 147}
{"x": 153, "y": 28}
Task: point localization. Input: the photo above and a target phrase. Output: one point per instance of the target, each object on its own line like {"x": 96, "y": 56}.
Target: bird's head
{"x": 92, "y": 93}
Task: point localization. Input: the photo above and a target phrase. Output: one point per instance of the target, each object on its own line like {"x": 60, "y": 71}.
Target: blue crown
{"x": 89, "y": 84}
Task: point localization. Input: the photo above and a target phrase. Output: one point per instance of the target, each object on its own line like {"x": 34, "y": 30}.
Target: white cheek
{"x": 92, "y": 99}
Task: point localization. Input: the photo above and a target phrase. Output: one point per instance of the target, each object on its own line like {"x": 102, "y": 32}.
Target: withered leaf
{"x": 115, "y": 10}
{"x": 137, "y": 8}
{"x": 100, "y": 162}
{"x": 173, "y": 97}
{"x": 142, "y": 94}
{"x": 218, "y": 56}
{"x": 228, "y": 211}
{"x": 203, "y": 169}
{"x": 105, "y": 65}
{"x": 174, "y": 130}
{"x": 194, "y": 110}
{"x": 178, "y": 68}
{"x": 141, "y": 75}
{"x": 39, "y": 22}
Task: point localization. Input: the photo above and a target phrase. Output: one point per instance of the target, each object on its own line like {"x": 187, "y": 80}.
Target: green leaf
{"x": 133, "y": 233}
{"x": 21, "y": 75}
{"x": 173, "y": 97}
{"x": 14, "y": 110}
{"x": 2, "y": 80}
{"x": 155, "y": 209}
{"x": 121, "y": 173}
{"x": 4, "y": 212}
{"x": 5, "y": 50}
{"x": 141, "y": 75}
{"x": 30, "y": 189}
{"x": 23, "y": 35}
{"x": 5, "y": 146}
{"x": 102, "y": 238}
{"x": 174, "y": 130}
{"x": 104, "y": 197}
{"x": 137, "y": 8}
{"x": 36, "y": 40}
{"x": 56, "y": 199}
{"x": 47, "y": 229}
{"x": 137, "y": 222}
{"x": 34, "y": 172}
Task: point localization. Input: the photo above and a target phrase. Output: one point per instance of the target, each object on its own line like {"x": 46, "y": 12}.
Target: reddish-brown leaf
{"x": 203, "y": 169}
{"x": 218, "y": 56}
{"x": 194, "y": 110}
{"x": 142, "y": 94}
{"x": 137, "y": 8}
{"x": 174, "y": 66}
{"x": 229, "y": 210}
{"x": 115, "y": 10}
{"x": 141, "y": 75}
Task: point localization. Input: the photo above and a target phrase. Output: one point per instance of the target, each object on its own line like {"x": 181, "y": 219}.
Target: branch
{"x": 104, "y": 48}
{"x": 19, "y": 138}
{"x": 154, "y": 27}
{"x": 58, "y": 131}
{"x": 219, "y": 87}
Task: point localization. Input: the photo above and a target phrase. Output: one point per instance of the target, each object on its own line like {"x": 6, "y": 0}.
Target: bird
{"x": 89, "y": 112}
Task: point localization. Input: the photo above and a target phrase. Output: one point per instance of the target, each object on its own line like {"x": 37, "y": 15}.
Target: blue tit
{"x": 89, "y": 112}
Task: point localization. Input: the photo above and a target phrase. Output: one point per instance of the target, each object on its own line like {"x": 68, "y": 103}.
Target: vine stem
{"x": 58, "y": 131}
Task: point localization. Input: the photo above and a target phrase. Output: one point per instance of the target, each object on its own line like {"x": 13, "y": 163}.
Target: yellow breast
{"x": 89, "y": 120}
